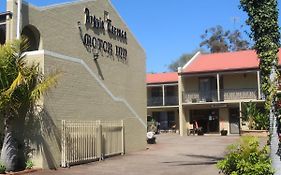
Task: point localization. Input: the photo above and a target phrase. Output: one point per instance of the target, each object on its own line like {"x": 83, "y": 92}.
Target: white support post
{"x": 182, "y": 119}
{"x": 218, "y": 87}
{"x": 123, "y": 137}
{"x": 100, "y": 154}
{"x": 63, "y": 145}
{"x": 163, "y": 94}
{"x": 259, "y": 84}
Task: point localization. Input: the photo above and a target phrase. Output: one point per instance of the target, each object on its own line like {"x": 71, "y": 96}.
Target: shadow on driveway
{"x": 210, "y": 160}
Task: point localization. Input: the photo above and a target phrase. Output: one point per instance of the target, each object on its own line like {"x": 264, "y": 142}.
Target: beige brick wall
{"x": 78, "y": 94}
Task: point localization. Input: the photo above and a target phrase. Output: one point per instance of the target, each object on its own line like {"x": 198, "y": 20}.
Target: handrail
{"x": 225, "y": 94}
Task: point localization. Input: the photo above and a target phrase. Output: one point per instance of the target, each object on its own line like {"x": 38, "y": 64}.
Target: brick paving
{"x": 193, "y": 155}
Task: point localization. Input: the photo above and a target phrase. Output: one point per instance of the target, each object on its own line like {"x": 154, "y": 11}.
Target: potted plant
{"x": 200, "y": 131}
{"x": 2, "y": 168}
{"x": 223, "y": 132}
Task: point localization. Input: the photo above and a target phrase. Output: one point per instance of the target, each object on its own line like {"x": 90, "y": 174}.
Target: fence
{"x": 85, "y": 141}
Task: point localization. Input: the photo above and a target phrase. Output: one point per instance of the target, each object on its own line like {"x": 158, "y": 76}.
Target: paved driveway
{"x": 172, "y": 155}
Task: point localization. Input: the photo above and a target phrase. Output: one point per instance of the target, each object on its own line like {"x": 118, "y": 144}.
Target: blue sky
{"x": 167, "y": 29}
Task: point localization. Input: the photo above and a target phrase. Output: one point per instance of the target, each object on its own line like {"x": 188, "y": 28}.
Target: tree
{"x": 182, "y": 60}
{"x": 263, "y": 21}
{"x": 21, "y": 86}
{"x": 218, "y": 40}
{"x": 256, "y": 119}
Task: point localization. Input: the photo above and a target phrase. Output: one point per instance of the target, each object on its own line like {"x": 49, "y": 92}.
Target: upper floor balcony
{"x": 221, "y": 87}
{"x": 162, "y": 95}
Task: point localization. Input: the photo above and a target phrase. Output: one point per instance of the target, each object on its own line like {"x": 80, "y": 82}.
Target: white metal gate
{"x": 84, "y": 141}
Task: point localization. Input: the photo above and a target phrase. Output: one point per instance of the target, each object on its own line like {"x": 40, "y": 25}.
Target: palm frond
{"x": 44, "y": 86}
{"x": 21, "y": 83}
{"x": 19, "y": 47}
{"x": 16, "y": 83}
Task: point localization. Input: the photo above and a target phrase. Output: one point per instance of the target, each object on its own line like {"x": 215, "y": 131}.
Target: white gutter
{"x": 19, "y": 19}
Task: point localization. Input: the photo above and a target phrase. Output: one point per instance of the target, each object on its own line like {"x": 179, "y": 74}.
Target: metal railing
{"x": 197, "y": 96}
{"x": 225, "y": 94}
{"x": 236, "y": 94}
{"x": 84, "y": 141}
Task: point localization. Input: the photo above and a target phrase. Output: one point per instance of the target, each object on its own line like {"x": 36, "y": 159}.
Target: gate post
{"x": 100, "y": 153}
{"x": 63, "y": 144}
{"x": 122, "y": 137}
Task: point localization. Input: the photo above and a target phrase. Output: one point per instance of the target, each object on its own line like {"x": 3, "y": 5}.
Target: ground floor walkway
{"x": 193, "y": 155}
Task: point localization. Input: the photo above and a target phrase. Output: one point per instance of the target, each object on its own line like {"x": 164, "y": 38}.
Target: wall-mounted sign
{"x": 98, "y": 23}
{"x": 218, "y": 106}
{"x": 93, "y": 42}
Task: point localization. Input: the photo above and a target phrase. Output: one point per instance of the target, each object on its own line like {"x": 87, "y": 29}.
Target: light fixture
{"x": 95, "y": 54}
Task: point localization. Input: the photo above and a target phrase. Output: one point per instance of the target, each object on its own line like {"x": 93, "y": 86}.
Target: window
{"x": 171, "y": 119}
{"x": 170, "y": 90}
{"x": 207, "y": 89}
{"x": 2, "y": 34}
{"x": 156, "y": 91}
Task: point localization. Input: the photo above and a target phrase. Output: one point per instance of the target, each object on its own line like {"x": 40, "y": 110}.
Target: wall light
{"x": 96, "y": 54}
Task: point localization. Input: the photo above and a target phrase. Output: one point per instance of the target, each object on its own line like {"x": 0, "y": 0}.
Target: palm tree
{"x": 21, "y": 87}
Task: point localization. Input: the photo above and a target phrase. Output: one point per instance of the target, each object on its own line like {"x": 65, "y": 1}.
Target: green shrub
{"x": 29, "y": 164}
{"x": 246, "y": 158}
{"x": 255, "y": 117}
{"x": 2, "y": 168}
{"x": 151, "y": 126}
{"x": 261, "y": 121}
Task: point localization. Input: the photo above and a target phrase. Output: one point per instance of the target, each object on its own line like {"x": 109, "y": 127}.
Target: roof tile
{"x": 227, "y": 61}
{"x": 168, "y": 77}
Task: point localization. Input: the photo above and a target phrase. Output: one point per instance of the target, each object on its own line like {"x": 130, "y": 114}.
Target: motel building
{"x": 98, "y": 107}
{"x": 209, "y": 89}
{"x": 162, "y": 100}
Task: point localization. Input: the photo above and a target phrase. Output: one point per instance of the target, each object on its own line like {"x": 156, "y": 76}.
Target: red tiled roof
{"x": 225, "y": 62}
{"x": 168, "y": 77}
